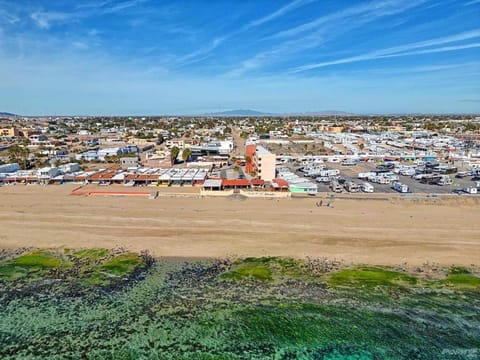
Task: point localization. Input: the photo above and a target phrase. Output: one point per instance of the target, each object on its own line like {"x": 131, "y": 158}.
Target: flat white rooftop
{"x": 262, "y": 151}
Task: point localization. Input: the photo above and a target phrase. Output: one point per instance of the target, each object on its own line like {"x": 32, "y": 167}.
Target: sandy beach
{"x": 392, "y": 231}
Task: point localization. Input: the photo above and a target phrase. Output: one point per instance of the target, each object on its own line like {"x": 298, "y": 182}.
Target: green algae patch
{"x": 462, "y": 280}
{"x": 36, "y": 262}
{"x": 370, "y": 277}
{"x": 9, "y": 271}
{"x": 257, "y": 272}
{"x": 40, "y": 259}
{"x": 72, "y": 270}
{"x": 122, "y": 264}
{"x": 265, "y": 269}
{"x": 92, "y": 254}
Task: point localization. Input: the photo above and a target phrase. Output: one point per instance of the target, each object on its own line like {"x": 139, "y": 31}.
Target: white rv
{"x": 332, "y": 172}
{"x": 367, "y": 187}
{"x": 445, "y": 180}
{"x": 336, "y": 187}
{"x": 398, "y": 186}
{"x": 350, "y": 186}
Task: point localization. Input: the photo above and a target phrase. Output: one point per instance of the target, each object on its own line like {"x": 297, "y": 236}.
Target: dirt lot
{"x": 386, "y": 230}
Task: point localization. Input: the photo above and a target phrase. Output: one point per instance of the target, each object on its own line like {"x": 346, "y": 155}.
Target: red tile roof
{"x": 281, "y": 183}
{"x": 235, "y": 182}
{"x": 257, "y": 182}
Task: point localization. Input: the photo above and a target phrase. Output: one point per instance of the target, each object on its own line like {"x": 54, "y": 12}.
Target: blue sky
{"x": 183, "y": 57}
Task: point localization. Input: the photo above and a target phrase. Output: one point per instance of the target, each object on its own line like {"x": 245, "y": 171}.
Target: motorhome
{"x": 431, "y": 179}
{"x": 349, "y": 162}
{"x": 398, "y": 186}
{"x": 314, "y": 171}
{"x": 445, "y": 180}
{"x": 405, "y": 170}
{"x": 367, "y": 187}
{"x": 350, "y": 186}
{"x": 336, "y": 187}
{"x": 323, "y": 179}
{"x": 366, "y": 175}
{"x": 332, "y": 172}
{"x": 379, "y": 179}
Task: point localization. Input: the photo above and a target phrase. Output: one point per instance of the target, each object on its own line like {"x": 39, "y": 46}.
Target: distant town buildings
{"x": 299, "y": 154}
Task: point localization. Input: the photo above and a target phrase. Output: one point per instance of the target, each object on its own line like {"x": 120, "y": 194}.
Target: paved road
{"x": 238, "y": 143}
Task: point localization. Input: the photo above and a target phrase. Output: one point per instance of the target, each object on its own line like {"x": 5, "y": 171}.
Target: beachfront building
{"x": 306, "y": 187}
{"x": 264, "y": 163}
{"x": 10, "y": 132}
{"x": 9, "y": 168}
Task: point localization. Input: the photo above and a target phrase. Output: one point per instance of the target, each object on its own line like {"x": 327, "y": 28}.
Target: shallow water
{"x": 191, "y": 312}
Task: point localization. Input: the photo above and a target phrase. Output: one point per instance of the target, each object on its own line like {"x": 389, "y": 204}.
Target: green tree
{"x": 186, "y": 154}
{"x": 174, "y": 151}
{"x": 18, "y": 154}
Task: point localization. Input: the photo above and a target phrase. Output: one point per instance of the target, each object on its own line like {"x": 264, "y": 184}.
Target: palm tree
{"x": 173, "y": 154}
{"x": 18, "y": 154}
{"x": 186, "y": 154}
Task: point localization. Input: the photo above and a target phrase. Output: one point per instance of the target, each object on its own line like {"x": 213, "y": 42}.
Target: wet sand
{"x": 362, "y": 231}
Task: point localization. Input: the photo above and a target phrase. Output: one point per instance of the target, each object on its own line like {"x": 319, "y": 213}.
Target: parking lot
{"x": 415, "y": 186}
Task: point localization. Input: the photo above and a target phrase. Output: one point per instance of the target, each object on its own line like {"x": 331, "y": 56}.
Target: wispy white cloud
{"x": 203, "y": 53}
{"x": 117, "y": 7}
{"x": 317, "y": 32}
{"x": 430, "y": 68}
{"x": 44, "y": 19}
{"x": 8, "y": 17}
{"x": 278, "y": 13}
{"x": 81, "y": 45}
{"x": 373, "y": 9}
{"x": 200, "y": 54}
{"x": 402, "y": 50}
{"x": 473, "y": 2}
{"x": 93, "y": 4}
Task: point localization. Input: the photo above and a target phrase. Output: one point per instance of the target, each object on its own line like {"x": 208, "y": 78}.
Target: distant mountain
{"x": 247, "y": 112}
{"x": 239, "y": 112}
{"x": 6, "y": 114}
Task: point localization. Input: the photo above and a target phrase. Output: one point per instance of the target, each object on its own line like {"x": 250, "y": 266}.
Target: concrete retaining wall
{"x": 265, "y": 194}
{"x": 216, "y": 193}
